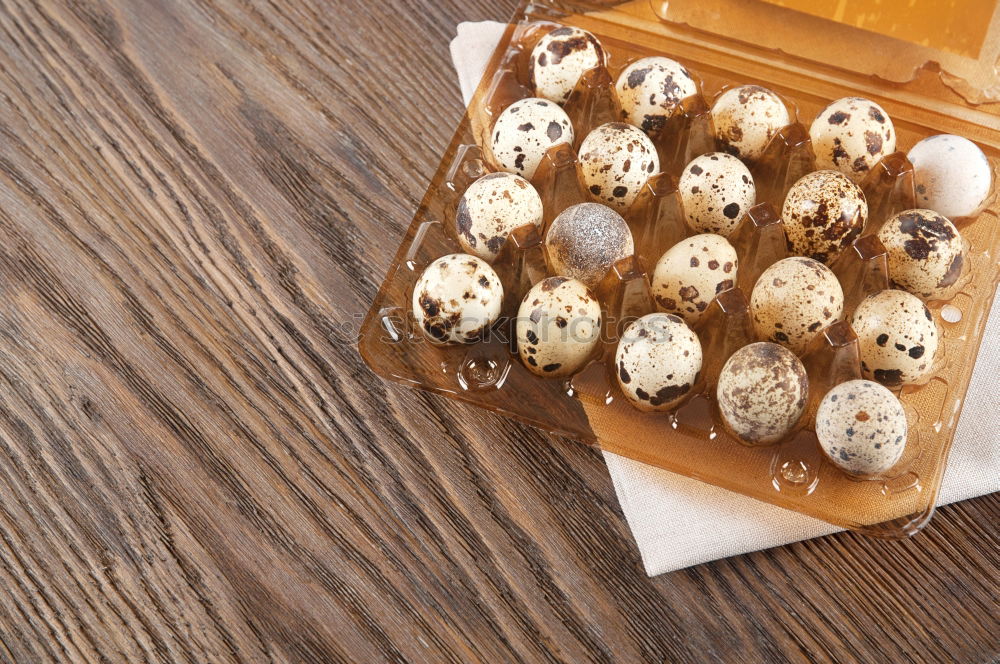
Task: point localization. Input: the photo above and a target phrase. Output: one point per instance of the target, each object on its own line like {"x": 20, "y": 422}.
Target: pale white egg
{"x": 951, "y": 174}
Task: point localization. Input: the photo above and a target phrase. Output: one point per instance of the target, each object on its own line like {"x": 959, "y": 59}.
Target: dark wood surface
{"x": 197, "y": 202}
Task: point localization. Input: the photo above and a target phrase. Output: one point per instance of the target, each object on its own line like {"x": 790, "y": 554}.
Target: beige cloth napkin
{"x": 678, "y": 522}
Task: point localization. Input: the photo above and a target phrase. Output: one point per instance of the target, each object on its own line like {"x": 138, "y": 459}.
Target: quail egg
{"x": 746, "y": 118}
{"x": 823, "y": 213}
{"x": 951, "y": 175}
{"x": 616, "y": 159}
{"x": 650, "y": 91}
{"x": 861, "y": 427}
{"x": 691, "y": 273}
{"x": 558, "y": 326}
{"x": 560, "y": 58}
{"x": 897, "y": 337}
{"x": 525, "y": 131}
{"x": 762, "y": 392}
{"x": 925, "y": 252}
{"x": 793, "y": 300}
{"x": 716, "y": 190}
{"x": 851, "y": 135}
{"x": 457, "y": 298}
{"x": 658, "y": 361}
{"x": 585, "y": 240}
{"x": 491, "y": 208}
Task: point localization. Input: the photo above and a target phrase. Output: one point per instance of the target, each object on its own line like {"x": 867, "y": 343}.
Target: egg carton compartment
{"x": 691, "y": 440}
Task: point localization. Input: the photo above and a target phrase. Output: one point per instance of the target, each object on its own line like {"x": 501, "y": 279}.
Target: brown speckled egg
{"x": 716, "y": 190}
{"x": 793, "y": 300}
{"x": 560, "y": 58}
{"x": 926, "y": 253}
{"x": 658, "y": 360}
{"x": 851, "y": 135}
{"x": 650, "y": 91}
{"x": 558, "y": 327}
{"x": 861, "y": 427}
{"x": 951, "y": 175}
{"x": 616, "y": 159}
{"x": 762, "y": 392}
{"x": 746, "y": 118}
{"x": 491, "y": 208}
{"x": 525, "y": 131}
{"x": 897, "y": 337}
{"x": 823, "y": 213}
{"x": 585, "y": 240}
{"x": 691, "y": 273}
{"x": 457, "y": 298}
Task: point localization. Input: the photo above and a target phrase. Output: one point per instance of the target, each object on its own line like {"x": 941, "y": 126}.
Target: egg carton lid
{"x": 892, "y": 40}
{"x": 944, "y": 56}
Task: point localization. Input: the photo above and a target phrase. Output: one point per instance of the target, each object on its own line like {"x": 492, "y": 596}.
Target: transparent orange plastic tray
{"x": 589, "y": 406}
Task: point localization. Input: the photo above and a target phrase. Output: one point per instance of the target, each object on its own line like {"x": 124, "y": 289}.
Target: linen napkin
{"x": 677, "y": 521}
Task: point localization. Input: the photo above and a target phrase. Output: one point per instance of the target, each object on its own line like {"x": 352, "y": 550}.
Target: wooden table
{"x": 197, "y": 203}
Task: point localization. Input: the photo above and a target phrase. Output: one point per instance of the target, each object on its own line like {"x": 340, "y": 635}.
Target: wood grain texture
{"x": 197, "y": 202}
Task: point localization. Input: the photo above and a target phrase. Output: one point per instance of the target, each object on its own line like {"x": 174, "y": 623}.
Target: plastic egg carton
{"x": 691, "y": 439}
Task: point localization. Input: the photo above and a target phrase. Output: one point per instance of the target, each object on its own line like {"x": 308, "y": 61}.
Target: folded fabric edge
{"x": 659, "y": 545}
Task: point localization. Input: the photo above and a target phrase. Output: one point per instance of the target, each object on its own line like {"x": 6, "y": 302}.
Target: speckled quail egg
{"x": 616, "y": 159}
{"x": 491, "y": 208}
{"x": 746, "y": 118}
{"x": 951, "y": 175}
{"x": 716, "y": 190}
{"x": 823, "y": 213}
{"x": 560, "y": 58}
{"x": 585, "y": 240}
{"x": 925, "y": 252}
{"x": 457, "y": 298}
{"x": 762, "y": 392}
{"x": 558, "y": 326}
{"x": 691, "y": 273}
{"x": 861, "y": 427}
{"x": 793, "y": 300}
{"x": 897, "y": 337}
{"x": 525, "y": 131}
{"x": 658, "y": 361}
{"x": 650, "y": 91}
{"x": 851, "y": 135}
